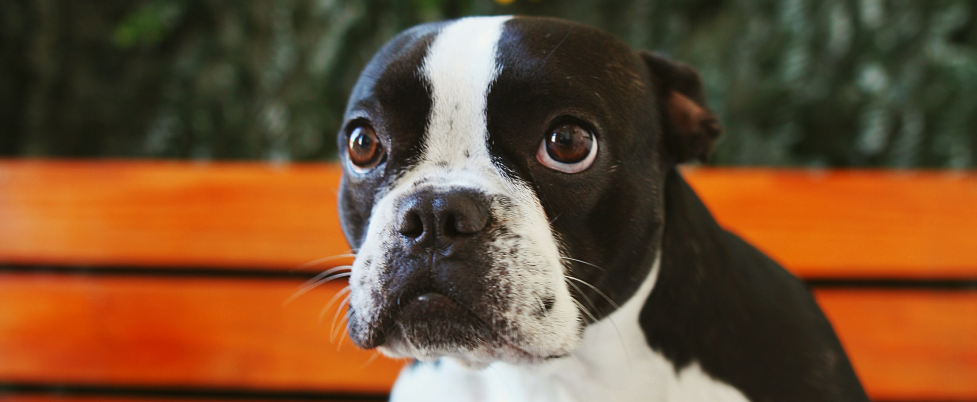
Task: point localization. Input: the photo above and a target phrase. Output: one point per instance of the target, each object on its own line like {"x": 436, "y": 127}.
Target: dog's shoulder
{"x": 724, "y": 305}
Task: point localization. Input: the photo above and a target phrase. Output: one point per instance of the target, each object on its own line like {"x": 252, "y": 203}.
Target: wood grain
{"x": 851, "y": 224}
{"x": 236, "y": 334}
{"x": 30, "y": 397}
{"x": 150, "y": 331}
{"x": 908, "y": 344}
{"x": 103, "y": 398}
{"x": 243, "y": 215}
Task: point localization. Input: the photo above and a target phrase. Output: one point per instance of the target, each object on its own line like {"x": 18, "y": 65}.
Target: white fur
{"x": 614, "y": 363}
{"x": 460, "y": 66}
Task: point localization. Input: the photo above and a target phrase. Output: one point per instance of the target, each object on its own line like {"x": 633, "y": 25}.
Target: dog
{"x": 522, "y": 233}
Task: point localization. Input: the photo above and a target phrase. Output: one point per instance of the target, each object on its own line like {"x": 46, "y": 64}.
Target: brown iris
{"x": 569, "y": 143}
{"x": 364, "y": 148}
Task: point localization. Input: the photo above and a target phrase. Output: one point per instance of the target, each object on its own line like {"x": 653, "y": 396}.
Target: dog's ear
{"x": 691, "y": 129}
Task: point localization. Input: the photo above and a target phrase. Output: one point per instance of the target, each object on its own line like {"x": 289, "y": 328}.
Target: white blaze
{"x": 461, "y": 65}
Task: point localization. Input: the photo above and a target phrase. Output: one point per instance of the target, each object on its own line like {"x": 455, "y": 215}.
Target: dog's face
{"x": 501, "y": 184}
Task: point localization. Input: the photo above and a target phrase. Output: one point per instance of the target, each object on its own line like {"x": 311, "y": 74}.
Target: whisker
{"x": 326, "y": 273}
{"x": 595, "y": 290}
{"x": 587, "y": 299}
{"x": 589, "y": 314}
{"x": 335, "y": 298}
{"x": 609, "y": 319}
{"x": 341, "y": 337}
{"x": 540, "y": 301}
{"x": 323, "y": 260}
{"x": 371, "y": 359}
{"x": 328, "y": 276}
{"x": 340, "y": 345}
{"x": 556, "y": 217}
{"x": 582, "y": 262}
{"x": 335, "y": 319}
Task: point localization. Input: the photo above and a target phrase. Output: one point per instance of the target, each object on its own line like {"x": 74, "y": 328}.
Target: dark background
{"x": 837, "y": 83}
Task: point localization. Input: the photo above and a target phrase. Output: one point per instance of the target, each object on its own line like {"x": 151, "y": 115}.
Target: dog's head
{"x": 502, "y": 182}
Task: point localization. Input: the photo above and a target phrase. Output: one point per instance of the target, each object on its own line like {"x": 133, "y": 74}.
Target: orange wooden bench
{"x": 144, "y": 281}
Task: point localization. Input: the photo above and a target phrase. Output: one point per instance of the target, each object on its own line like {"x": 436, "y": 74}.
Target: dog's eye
{"x": 568, "y": 148}
{"x": 364, "y": 148}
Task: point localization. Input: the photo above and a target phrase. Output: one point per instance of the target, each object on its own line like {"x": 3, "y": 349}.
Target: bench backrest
{"x": 169, "y": 279}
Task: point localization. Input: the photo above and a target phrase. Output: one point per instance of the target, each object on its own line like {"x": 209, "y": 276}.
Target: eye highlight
{"x": 568, "y": 148}
{"x": 364, "y": 149}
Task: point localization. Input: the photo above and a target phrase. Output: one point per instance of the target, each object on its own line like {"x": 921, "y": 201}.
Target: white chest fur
{"x": 614, "y": 363}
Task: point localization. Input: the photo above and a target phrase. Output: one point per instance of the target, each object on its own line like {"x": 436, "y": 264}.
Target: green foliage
{"x": 148, "y": 24}
{"x": 796, "y": 82}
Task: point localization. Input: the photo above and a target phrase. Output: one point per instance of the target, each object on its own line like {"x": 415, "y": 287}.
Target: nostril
{"x": 465, "y": 218}
{"x": 411, "y": 225}
{"x": 464, "y": 225}
{"x": 451, "y": 226}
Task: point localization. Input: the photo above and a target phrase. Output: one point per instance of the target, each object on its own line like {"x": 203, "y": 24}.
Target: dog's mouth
{"x": 432, "y": 325}
{"x": 437, "y": 327}
{"x": 427, "y": 324}
{"x": 435, "y": 322}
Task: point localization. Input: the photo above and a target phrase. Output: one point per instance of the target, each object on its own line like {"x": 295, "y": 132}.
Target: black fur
{"x": 745, "y": 320}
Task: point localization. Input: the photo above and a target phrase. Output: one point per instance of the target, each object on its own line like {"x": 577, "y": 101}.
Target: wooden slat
{"x": 32, "y": 397}
{"x": 817, "y": 223}
{"x": 236, "y": 334}
{"x": 851, "y": 223}
{"x": 211, "y": 333}
{"x": 908, "y": 345}
{"x": 240, "y": 215}
{"x": 72, "y": 397}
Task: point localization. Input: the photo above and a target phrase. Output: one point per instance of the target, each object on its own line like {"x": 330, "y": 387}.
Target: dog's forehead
{"x": 551, "y": 54}
{"x": 541, "y": 57}
{"x": 470, "y": 91}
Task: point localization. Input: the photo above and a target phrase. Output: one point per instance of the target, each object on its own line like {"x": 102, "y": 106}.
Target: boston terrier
{"x": 522, "y": 233}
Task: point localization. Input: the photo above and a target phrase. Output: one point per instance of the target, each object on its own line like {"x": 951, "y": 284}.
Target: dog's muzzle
{"x": 436, "y": 292}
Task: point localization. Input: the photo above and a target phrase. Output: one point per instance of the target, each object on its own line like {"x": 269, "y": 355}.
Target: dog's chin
{"x": 476, "y": 359}
{"x": 437, "y": 324}
{"x": 437, "y": 327}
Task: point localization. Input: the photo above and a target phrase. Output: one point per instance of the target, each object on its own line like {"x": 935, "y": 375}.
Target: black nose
{"x": 430, "y": 218}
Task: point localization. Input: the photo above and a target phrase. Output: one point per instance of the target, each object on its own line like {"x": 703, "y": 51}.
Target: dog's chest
{"x": 614, "y": 363}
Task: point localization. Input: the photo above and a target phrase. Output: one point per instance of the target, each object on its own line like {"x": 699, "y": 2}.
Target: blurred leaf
{"x": 148, "y": 24}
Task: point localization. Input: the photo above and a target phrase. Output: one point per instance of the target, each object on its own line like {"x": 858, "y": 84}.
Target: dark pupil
{"x": 569, "y": 144}
{"x": 362, "y": 147}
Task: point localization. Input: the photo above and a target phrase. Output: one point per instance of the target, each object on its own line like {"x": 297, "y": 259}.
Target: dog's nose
{"x": 431, "y": 217}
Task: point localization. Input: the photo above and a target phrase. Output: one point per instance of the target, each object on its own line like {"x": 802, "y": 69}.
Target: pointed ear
{"x": 691, "y": 129}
